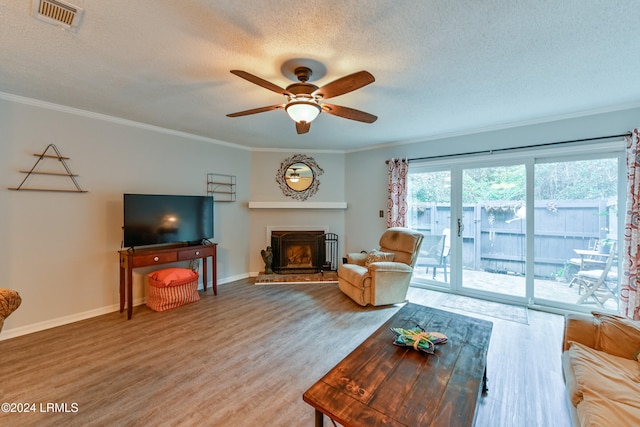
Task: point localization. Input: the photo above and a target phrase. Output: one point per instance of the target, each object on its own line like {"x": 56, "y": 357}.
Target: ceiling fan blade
{"x": 256, "y": 110}
{"x": 345, "y": 84}
{"x": 260, "y": 82}
{"x": 302, "y": 127}
{"x": 349, "y": 113}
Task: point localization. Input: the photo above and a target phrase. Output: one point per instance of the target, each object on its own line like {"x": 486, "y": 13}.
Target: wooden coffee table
{"x": 383, "y": 384}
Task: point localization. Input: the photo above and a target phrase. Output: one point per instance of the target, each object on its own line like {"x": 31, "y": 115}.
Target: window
{"x": 520, "y": 226}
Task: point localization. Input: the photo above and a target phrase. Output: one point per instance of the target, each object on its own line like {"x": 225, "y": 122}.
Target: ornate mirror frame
{"x": 299, "y": 161}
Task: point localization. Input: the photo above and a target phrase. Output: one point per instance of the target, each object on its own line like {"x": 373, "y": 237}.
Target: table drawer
{"x": 195, "y": 253}
{"x": 162, "y": 258}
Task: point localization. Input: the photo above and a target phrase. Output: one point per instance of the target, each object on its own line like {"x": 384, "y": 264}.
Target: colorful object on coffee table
{"x": 419, "y": 339}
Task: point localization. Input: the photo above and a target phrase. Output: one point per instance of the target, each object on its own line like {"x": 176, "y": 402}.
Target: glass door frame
{"x": 529, "y": 158}
{"x": 611, "y": 150}
{"x": 495, "y": 163}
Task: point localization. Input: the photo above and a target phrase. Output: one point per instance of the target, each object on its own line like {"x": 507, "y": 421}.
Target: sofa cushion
{"x": 617, "y": 336}
{"x": 598, "y": 411}
{"x": 580, "y": 327}
{"x": 378, "y": 256}
{"x": 597, "y": 374}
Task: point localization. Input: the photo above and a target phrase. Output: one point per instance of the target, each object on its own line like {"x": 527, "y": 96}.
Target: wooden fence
{"x": 494, "y": 233}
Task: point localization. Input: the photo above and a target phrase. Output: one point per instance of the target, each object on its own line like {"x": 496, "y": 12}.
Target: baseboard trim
{"x": 59, "y": 321}
{"x": 76, "y": 317}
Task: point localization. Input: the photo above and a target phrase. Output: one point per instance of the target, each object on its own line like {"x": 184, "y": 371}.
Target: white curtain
{"x": 629, "y": 286}
{"x": 397, "y": 202}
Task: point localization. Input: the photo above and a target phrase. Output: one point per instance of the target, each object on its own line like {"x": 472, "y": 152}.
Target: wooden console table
{"x": 380, "y": 384}
{"x": 130, "y": 259}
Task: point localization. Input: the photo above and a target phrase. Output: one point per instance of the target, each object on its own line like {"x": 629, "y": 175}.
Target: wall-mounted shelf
{"x": 221, "y": 187}
{"x": 33, "y": 171}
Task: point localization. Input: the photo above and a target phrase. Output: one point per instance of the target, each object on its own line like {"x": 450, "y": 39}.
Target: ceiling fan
{"x": 294, "y": 176}
{"x": 305, "y": 100}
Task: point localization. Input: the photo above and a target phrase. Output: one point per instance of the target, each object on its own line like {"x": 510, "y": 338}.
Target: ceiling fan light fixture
{"x": 304, "y": 101}
{"x": 302, "y": 111}
{"x": 294, "y": 177}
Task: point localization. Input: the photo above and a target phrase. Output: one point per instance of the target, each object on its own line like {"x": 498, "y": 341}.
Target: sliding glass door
{"x": 430, "y": 213}
{"x": 540, "y": 228}
{"x": 494, "y": 234}
{"x": 576, "y": 232}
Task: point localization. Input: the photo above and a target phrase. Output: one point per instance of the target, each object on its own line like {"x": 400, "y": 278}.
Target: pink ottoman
{"x": 172, "y": 287}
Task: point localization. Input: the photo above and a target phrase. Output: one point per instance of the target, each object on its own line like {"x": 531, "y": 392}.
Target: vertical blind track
{"x": 519, "y": 148}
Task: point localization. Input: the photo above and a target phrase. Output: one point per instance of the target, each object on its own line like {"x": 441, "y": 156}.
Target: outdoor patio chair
{"x": 589, "y": 259}
{"x": 437, "y": 253}
{"x": 599, "y": 285}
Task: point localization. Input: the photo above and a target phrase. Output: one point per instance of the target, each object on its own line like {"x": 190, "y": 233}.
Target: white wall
{"x": 264, "y": 188}
{"x": 59, "y": 250}
{"x": 366, "y": 171}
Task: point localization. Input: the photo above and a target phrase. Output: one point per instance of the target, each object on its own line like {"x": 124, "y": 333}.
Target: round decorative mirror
{"x": 298, "y": 176}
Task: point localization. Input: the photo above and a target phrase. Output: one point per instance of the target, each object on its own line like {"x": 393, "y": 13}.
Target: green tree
{"x": 576, "y": 180}
{"x": 430, "y": 187}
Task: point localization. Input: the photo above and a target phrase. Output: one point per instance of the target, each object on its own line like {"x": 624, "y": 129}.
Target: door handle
{"x": 460, "y": 227}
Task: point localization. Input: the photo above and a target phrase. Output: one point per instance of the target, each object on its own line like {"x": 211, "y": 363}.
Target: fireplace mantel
{"x": 297, "y": 205}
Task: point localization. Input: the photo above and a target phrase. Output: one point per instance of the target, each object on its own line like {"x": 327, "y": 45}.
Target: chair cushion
{"x": 378, "y": 256}
{"x": 590, "y": 274}
{"x": 354, "y": 274}
{"x": 401, "y": 241}
{"x": 359, "y": 258}
{"x": 390, "y": 266}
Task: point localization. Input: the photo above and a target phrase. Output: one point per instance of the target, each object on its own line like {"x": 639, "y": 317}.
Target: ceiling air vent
{"x": 57, "y": 12}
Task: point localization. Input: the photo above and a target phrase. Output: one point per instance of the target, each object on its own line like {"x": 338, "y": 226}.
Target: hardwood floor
{"x": 244, "y": 358}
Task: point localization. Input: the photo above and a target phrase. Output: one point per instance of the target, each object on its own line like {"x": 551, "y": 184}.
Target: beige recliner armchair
{"x": 382, "y": 277}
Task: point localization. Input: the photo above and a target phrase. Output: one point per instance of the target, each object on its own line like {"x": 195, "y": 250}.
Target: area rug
{"x": 278, "y": 279}
{"x": 498, "y": 310}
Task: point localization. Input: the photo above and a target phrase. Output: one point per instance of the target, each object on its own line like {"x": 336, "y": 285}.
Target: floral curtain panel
{"x": 397, "y": 202}
{"x": 629, "y": 290}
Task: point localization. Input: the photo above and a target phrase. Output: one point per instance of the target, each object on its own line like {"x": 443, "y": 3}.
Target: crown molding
{"x": 475, "y": 131}
{"x": 132, "y": 123}
{"x": 104, "y": 117}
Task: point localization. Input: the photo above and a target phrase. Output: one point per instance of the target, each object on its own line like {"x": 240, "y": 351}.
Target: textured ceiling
{"x": 441, "y": 67}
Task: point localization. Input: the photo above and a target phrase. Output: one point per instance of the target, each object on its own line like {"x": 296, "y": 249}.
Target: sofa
{"x": 601, "y": 369}
{"x": 9, "y": 301}
{"x": 382, "y": 276}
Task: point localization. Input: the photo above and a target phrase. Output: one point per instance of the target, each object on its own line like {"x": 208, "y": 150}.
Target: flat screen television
{"x": 153, "y": 219}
